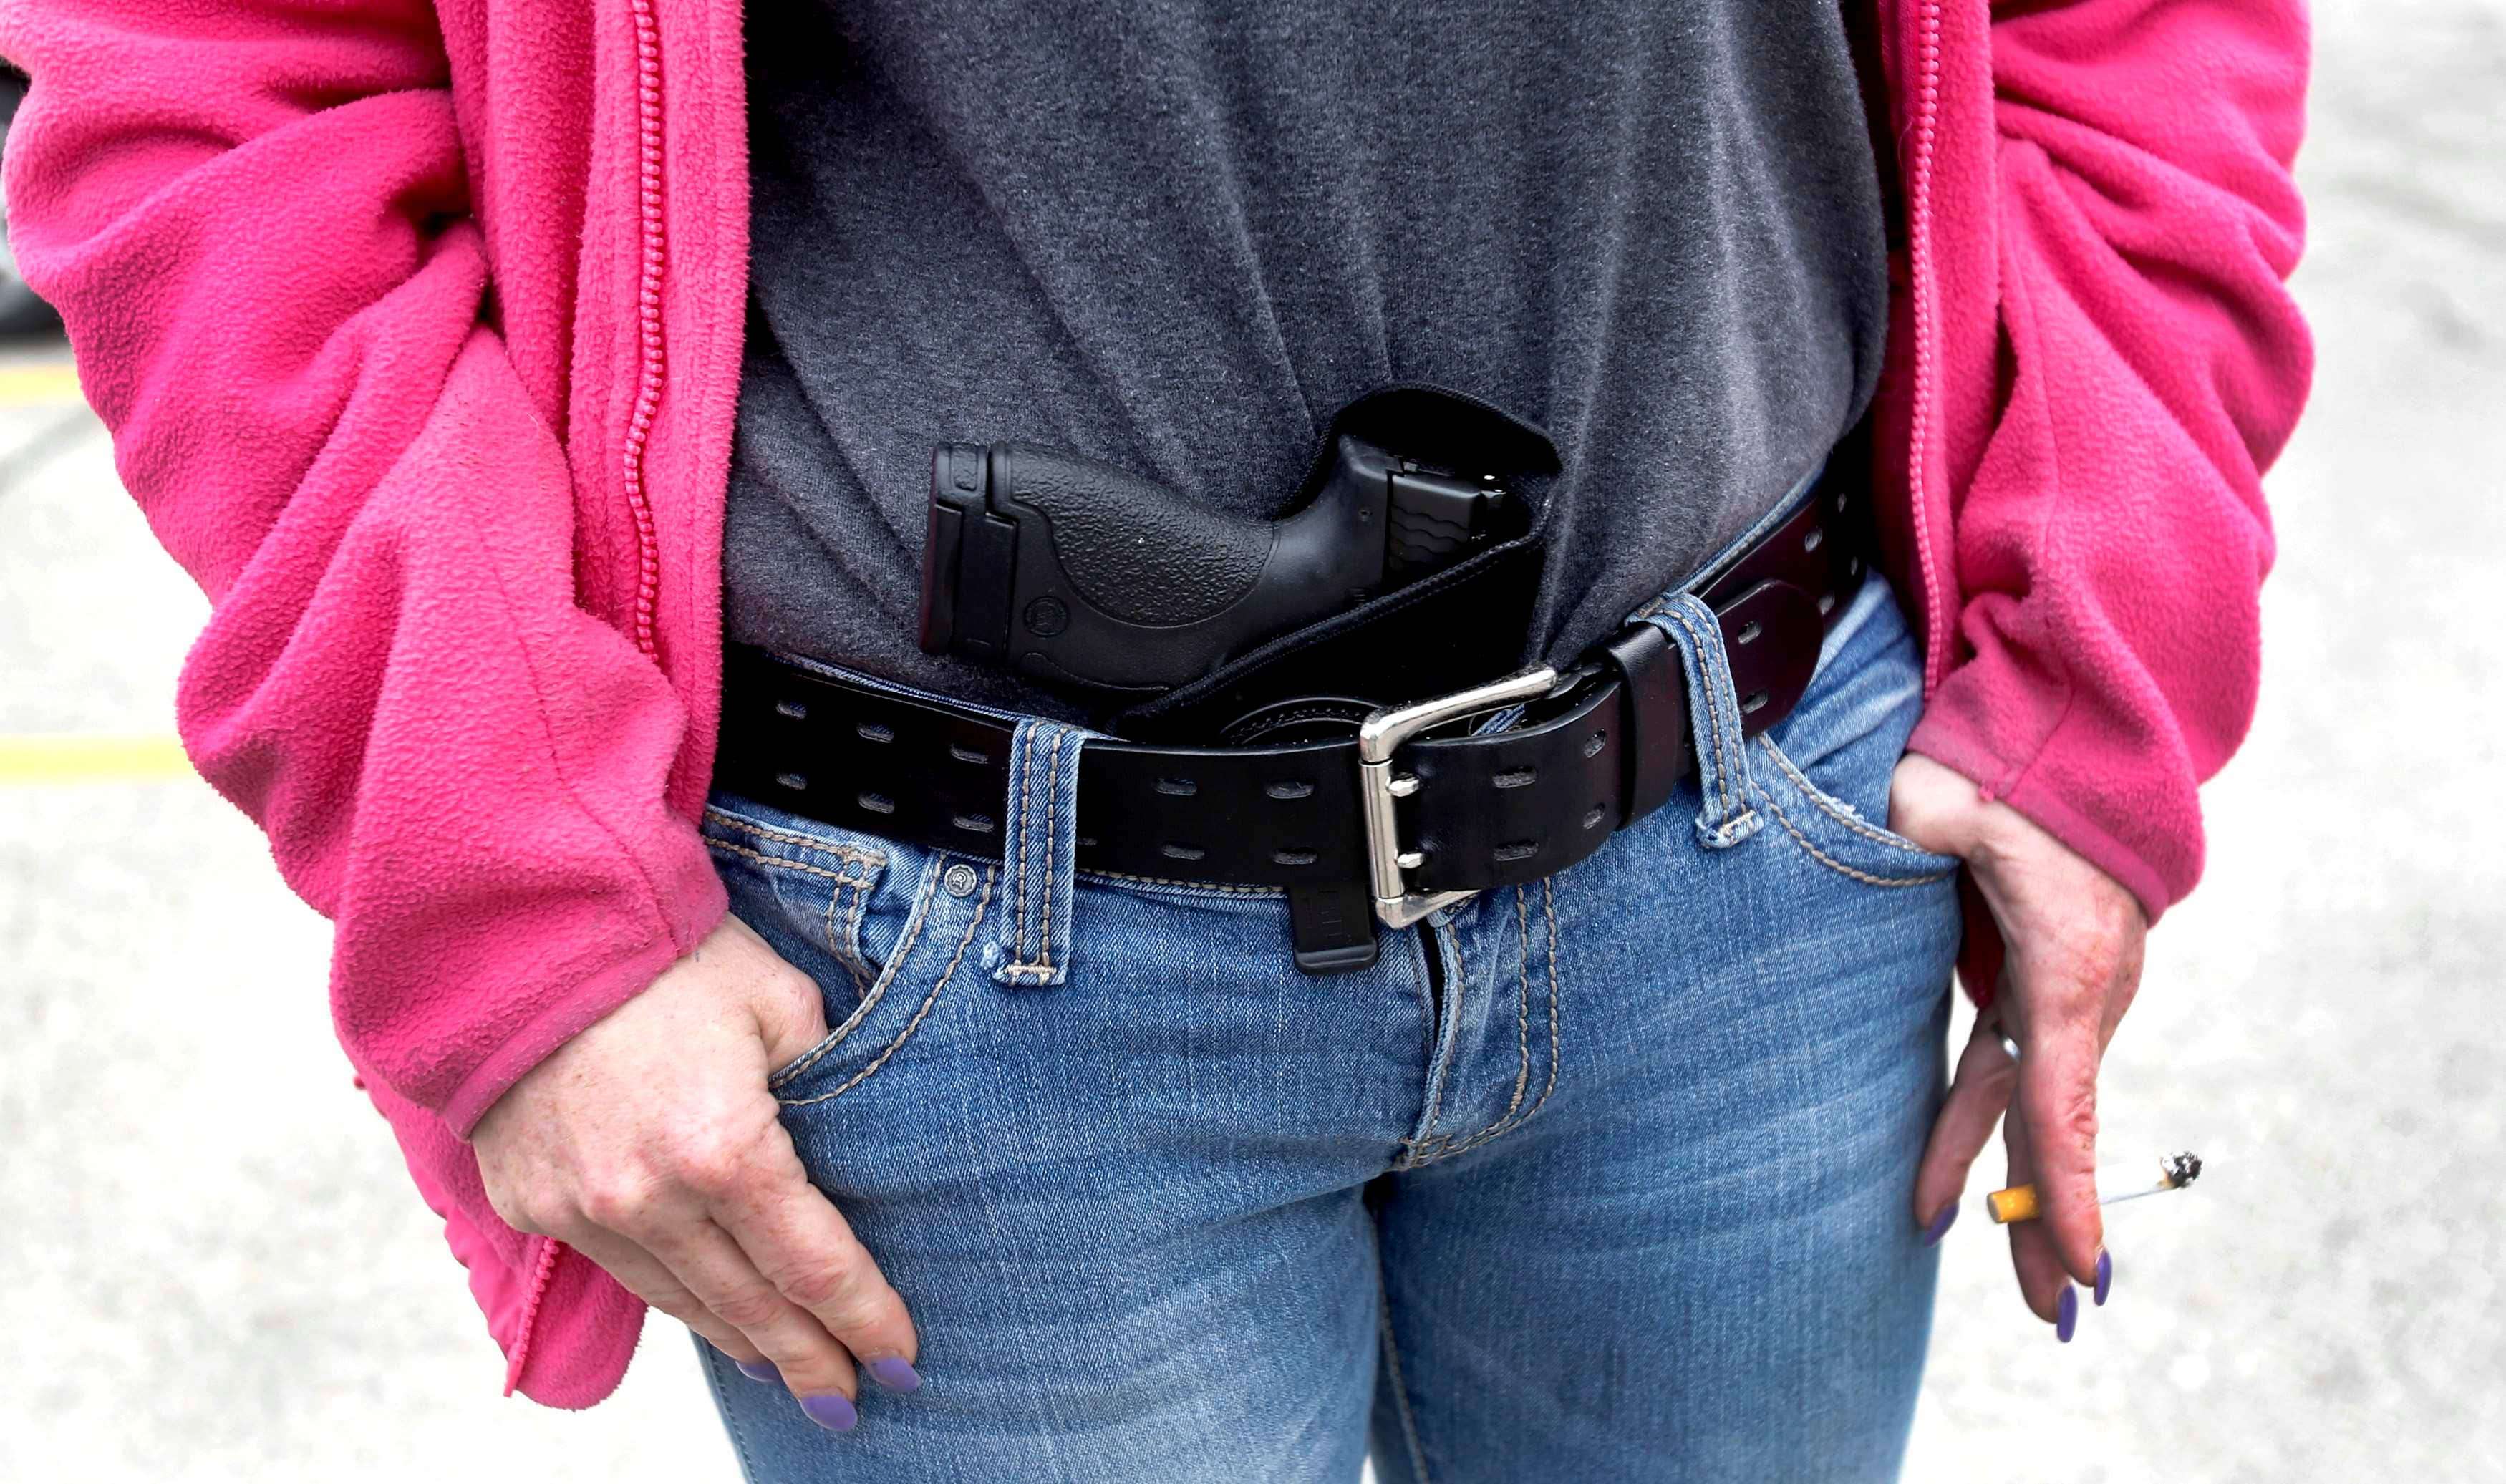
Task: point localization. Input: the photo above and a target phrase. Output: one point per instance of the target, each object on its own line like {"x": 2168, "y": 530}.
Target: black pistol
{"x": 1073, "y": 572}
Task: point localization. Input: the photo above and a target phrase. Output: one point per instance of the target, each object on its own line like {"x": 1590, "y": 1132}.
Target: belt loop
{"x": 1724, "y": 782}
{"x": 1039, "y": 854}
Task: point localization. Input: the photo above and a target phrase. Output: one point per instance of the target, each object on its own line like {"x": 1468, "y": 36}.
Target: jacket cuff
{"x": 2062, "y": 796}
{"x": 692, "y": 905}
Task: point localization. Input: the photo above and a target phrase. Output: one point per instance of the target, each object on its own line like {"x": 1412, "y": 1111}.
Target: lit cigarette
{"x": 2175, "y": 1173}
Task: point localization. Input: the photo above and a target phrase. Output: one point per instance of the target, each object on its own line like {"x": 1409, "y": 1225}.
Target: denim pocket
{"x": 1836, "y": 833}
{"x": 1823, "y": 773}
{"x": 861, "y": 915}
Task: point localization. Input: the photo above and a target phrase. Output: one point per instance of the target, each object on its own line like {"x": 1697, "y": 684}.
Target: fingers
{"x": 649, "y": 1279}
{"x": 1978, "y": 1093}
{"x": 721, "y": 1277}
{"x": 656, "y": 1230}
{"x": 805, "y": 1249}
{"x": 2032, "y": 1259}
{"x": 2056, "y": 1109}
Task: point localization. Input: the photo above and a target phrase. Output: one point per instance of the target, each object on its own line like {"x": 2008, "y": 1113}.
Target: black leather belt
{"x": 1385, "y": 825}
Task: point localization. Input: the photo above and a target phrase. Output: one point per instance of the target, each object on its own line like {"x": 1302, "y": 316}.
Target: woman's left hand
{"x": 2072, "y": 938}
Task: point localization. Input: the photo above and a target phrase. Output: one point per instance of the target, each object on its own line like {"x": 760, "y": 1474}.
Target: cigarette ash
{"x": 2182, "y": 1170}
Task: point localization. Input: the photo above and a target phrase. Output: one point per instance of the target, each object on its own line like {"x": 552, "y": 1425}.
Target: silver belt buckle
{"x": 1379, "y": 737}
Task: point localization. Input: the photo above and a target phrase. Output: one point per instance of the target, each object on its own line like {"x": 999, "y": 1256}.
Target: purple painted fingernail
{"x": 892, "y": 1372}
{"x": 831, "y": 1410}
{"x": 760, "y": 1370}
{"x": 2066, "y": 1314}
{"x": 2105, "y": 1275}
{"x": 1940, "y": 1225}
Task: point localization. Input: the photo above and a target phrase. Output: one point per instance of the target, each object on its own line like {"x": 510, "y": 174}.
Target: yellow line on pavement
{"x": 24, "y": 386}
{"x": 70, "y": 758}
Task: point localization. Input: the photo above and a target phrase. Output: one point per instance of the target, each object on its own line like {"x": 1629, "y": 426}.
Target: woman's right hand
{"x": 650, "y": 1144}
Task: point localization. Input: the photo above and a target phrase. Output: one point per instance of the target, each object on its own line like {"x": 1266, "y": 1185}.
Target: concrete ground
{"x": 216, "y": 1271}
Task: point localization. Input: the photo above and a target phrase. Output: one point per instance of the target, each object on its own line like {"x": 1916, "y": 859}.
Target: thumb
{"x": 790, "y": 1014}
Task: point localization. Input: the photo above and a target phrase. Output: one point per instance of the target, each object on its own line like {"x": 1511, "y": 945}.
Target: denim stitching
{"x": 1453, "y": 985}
{"x": 1521, "y": 1041}
{"x": 1031, "y": 883}
{"x": 1719, "y": 696}
{"x": 781, "y": 863}
{"x": 1549, "y": 910}
{"x": 915, "y": 1024}
{"x": 919, "y": 913}
{"x": 1713, "y": 715}
{"x": 1713, "y": 721}
{"x": 1042, "y": 965}
{"x": 789, "y": 836}
{"x": 848, "y": 957}
{"x": 1021, "y": 908}
{"x": 852, "y": 929}
{"x": 1522, "y": 1005}
{"x": 1839, "y": 867}
{"x": 1392, "y": 1364}
{"x": 1853, "y": 822}
{"x": 1052, "y": 809}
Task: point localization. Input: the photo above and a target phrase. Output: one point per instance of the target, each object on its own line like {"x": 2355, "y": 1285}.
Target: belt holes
{"x": 1174, "y": 851}
{"x": 1520, "y": 850}
{"x": 1288, "y": 788}
{"x": 1840, "y": 502}
{"x": 974, "y": 754}
{"x": 973, "y": 824}
{"x": 1826, "y": 604}
{"x": 1594, "y": 815}
{"x": 1294, "y": 857}
{"x": 1592, "y": 743}
{"x": 1516, "y": 778}
{"x": 1811, "y": 541}
{"x": 871, "y": 731}
{"x": 796, "y": 781}
{"x": 1756, "y": 701}
{"x": 877, "y": 803}
{"x": 1749, "y": 632}
{"x": 1178, "y": 788}
{"x": 1854, "y": 566}
{"x": 793, "y": 709}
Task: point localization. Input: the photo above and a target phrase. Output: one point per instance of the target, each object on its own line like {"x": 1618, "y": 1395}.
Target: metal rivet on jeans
{"x": 960, "y": 880}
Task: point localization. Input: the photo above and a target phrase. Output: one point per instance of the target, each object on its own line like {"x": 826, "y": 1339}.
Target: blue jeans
{"x": 1603, "y": 1177}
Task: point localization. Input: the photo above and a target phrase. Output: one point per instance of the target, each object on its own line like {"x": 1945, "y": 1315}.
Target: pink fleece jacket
{"x": 417, "y": 327}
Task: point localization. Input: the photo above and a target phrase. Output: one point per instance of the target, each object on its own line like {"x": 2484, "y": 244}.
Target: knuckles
{"x": 750, "y": 1309}
{"x": 712, "y": 1165}
{"x": 617, "y": 1200}
{"x": 838, "y": 1289}
{"x": 2074, "y": 1120}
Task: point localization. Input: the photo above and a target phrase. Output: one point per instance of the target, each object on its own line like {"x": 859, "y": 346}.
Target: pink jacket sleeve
{"x": 254, "y": 219}
{"x": 2110, "y": 534}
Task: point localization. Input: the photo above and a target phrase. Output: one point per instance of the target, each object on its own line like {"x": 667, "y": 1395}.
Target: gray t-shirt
{"x": 1178, "y": 234}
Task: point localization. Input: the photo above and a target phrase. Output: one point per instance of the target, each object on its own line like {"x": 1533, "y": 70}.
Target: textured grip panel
{"x": 1136, "y": 549}
{"x": 1423, "y": 539}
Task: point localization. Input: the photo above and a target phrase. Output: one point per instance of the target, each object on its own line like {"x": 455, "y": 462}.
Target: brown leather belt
{"x": 1381, "y": 825}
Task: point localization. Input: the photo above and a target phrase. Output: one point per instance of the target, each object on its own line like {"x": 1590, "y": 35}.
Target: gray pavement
{"x": 216, "y": 1270}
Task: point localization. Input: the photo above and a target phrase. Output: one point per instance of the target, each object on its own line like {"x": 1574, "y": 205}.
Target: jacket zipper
{"x": 544, "y": 1251}
{"x": 1918, "y": 232}
{"x": 648, "y": 314}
